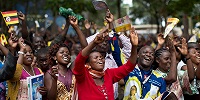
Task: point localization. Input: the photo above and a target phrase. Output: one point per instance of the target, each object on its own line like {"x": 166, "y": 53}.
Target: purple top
{"x": 25, "y": 74}
{"x": 65, "y": 79}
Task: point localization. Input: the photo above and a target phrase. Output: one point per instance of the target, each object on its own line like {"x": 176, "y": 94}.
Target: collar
{"x": 109, "y": 55}
{"x": 145, "y": 72}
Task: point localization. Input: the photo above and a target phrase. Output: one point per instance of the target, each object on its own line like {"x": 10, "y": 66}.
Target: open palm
{"x": 183, "y": 49}
{"x": 133, "y": 37}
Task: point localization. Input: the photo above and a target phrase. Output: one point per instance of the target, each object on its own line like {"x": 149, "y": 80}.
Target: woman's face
{"x": 164, "y": 61}
{"x": 63, "y": 56}
{"x": 133, "y": 90}
{"x": 194, "y": 56}
{"x": 96, "y": 61}
{"x": 28, "y": 55}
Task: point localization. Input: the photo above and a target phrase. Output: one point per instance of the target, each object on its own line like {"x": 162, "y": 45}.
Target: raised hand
{"x": 183, "y": 49}
{"x": 21, "y": 16}
{"x": 54, "y": 72}
{"x": 73, "y": 21}
{"x": 160, "y": 39}
{"x": 100, "y": 37}
{"x": 21, "y": 43}
{"x": 109, "y": 16}
{"x": 13, "y": 40}
{"x": 133, "y": 37}
{"x": 170, "y": 45}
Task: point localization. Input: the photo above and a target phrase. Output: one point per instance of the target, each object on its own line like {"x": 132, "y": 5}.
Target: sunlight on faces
{"x": 164, "y": 61}
{"x": 63, "y": 56}
{"x": 194, "y": 55}
{"x": 28, "y": 55}
{"x": 38, "y": 42}
{"x": 96, "y": 61}
{"x": 146, "y": 56}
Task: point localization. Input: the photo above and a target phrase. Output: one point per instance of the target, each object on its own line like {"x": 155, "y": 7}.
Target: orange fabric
{"x": 94, "y": 73}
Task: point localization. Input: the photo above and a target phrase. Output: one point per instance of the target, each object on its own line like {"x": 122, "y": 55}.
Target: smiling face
{"x": 164, "y": 61}
{"x": 28, "y": 56}
{"x": 194, "y": 55}
{"x": 146, "y": 56}
{"x": 38, "y": 43}
{"x": 96, "y": 61}
{"x": 63, "y": 56}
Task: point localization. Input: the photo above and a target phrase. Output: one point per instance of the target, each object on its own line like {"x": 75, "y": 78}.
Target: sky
{"x": 127, "y": 2}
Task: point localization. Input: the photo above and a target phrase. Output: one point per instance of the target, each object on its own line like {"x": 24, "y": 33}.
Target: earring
{"x": 56, "y": 61}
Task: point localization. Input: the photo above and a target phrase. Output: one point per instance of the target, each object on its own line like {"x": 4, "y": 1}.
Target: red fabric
{"x": 87, "y": 89}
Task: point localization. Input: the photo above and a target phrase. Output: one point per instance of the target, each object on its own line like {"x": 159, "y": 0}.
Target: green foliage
{"x": 78, "y": 6}
{"x": 181, "y": 6}
{"x": 148, "y": 9}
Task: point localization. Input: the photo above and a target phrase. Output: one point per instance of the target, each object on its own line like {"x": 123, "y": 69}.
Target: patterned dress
{"x": 17, "y": 86}
{"x": 66, "y": 86}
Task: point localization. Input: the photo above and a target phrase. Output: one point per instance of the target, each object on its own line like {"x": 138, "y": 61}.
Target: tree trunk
{"x": 186, "y": 26}
{"x": 119, "y": 8}
{"x": 157, "y": 22}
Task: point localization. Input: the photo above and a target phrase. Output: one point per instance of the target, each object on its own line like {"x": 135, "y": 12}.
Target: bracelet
{"x": 20, "y": 52}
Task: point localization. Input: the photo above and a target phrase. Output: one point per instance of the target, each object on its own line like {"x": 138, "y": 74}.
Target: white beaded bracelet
{"x": 20, "y": 52}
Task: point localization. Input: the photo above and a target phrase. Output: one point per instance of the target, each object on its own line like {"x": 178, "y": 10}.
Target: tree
{"x": 178, "y": 8}
{"x": 151, "y": 11}
{"x": 154, "y": 11}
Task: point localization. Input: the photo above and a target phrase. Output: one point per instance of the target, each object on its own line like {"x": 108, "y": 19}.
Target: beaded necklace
{"x": 28, "y": 72}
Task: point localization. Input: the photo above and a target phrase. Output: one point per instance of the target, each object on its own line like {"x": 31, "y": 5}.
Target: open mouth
{"x": 100, "y": 63}
{"x": 29, "y": 59}
{"x": 65, "y": 58}
{"x": 197, "y": 57}
{"x": 147, "y": 59}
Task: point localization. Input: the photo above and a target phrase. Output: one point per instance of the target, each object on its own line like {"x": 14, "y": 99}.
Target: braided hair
{"x": 157, "y": 54}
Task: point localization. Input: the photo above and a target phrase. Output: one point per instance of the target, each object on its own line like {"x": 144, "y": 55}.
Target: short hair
{"x": 193, "y": 45}
{"x": 144, "y": 47}
{"x": 28, "y": 43}
{"x": 42, "y": 51}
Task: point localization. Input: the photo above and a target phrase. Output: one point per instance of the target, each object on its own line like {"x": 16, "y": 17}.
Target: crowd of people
{"x": 102, "y": 65}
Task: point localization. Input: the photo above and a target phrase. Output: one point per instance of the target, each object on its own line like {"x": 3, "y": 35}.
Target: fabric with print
{"x": 147, "y": 84}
